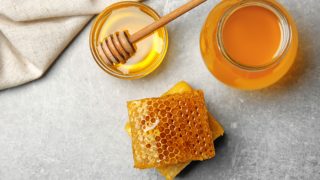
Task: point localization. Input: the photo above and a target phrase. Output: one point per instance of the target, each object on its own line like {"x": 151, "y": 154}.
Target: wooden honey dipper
{"x": 118, "y": 47}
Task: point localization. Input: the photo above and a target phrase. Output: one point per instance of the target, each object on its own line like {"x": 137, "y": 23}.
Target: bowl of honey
{"x": 131, "y": 17}
{"x": 249, "y": 44}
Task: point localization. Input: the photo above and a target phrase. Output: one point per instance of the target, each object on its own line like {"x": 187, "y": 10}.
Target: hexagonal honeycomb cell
{"x": 169, "y": 130}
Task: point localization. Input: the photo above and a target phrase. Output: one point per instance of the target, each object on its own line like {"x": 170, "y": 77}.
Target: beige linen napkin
{"x": 34, "y": 32}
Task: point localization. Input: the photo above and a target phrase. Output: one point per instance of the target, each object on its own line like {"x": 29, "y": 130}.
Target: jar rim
{"x": 286, "y": 34}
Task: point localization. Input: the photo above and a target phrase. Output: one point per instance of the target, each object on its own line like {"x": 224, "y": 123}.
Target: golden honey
{"x": 131, "y": 17}
{"x": 249, "y": 44}
{"x": 252, "y": 40}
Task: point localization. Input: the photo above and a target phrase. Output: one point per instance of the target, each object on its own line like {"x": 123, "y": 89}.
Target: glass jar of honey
{"x": 131, "y": 17}
{"x": 249, "y": 44}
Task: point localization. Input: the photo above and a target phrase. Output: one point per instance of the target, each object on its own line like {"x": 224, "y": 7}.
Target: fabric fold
{"x": 22, "y": 10}
{"x": 34, "y": 33}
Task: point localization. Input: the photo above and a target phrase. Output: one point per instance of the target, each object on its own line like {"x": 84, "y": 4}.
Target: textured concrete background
{"x": 69, "y": 124}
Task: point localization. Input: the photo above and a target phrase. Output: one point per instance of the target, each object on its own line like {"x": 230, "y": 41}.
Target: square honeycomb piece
{"x": 171, "y": 171}
{"x": 169, "y": 130}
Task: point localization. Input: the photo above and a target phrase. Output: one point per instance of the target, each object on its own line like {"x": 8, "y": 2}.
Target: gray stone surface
{"x": 69, "y": 124}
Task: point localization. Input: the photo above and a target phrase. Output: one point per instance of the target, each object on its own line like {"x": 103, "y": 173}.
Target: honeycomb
{"x": 170, "y": 130}
{"x": 171, "y": 171}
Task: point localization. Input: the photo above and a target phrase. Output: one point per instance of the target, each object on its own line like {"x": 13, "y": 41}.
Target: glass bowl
{"x": 130, "y": 16}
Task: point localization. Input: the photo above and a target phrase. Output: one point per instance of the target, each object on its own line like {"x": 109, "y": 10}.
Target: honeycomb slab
{"x": 170, "y": 130}
{"x": 171, "y": 171}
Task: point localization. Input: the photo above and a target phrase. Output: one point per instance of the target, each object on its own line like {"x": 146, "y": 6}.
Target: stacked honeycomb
{"x": 170, "y": 130}
{"x": 171, "y": 171}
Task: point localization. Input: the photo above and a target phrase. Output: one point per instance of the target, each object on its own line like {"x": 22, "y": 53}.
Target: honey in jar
{"x": 131, "y": 17}
{"x": 249, "y": 44}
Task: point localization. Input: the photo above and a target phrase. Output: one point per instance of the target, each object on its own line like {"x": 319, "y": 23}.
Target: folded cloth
{"x": 34, "y": 33}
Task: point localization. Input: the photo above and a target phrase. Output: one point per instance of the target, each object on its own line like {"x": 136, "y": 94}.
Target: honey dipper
{"x": 118, "y": 47}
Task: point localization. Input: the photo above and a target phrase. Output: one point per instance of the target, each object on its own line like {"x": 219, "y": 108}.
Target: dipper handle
{"x": 164, "y": 20}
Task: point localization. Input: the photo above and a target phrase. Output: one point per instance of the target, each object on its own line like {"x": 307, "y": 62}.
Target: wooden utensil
{"x": 118, "y": 47}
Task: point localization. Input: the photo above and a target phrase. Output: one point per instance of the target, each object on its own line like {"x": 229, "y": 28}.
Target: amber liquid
{"x": 252, "y": 36}
{"x": 132, "y": 19}
{"x": 245, "y": 47}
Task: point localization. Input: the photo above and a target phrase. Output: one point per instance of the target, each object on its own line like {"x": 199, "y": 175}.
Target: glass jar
{"x": 235, "y": 72}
